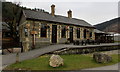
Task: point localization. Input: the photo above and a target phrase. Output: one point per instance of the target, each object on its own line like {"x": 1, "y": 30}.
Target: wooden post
{"x": 17, "y": 57}
{"x": 33, "y": 38}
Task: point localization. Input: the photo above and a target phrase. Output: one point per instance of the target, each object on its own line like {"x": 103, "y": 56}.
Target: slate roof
{"x": 98, "y": 31}
{"x": 38, "y": 15}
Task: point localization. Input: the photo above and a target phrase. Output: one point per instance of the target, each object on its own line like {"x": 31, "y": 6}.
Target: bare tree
{"x": 11, "y": 16}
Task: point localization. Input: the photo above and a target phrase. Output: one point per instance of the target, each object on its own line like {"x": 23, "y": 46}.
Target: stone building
{"x": 38, "y": 28}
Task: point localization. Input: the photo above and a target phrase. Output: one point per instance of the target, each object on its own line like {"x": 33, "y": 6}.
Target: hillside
{"x": 110, "y": 26}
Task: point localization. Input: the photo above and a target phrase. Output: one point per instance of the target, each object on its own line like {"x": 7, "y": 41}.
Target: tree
{"x": 11, "y": 15}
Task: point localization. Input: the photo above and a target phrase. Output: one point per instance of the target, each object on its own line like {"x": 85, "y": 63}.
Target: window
{"x": 43, "y": 30}
{"x": 90, "y": 34}
{"x": 63, "y": 32}
{"x": 78, "y": 32}
{"x": 84, "y": 33}
{"x": 71, "y": 29}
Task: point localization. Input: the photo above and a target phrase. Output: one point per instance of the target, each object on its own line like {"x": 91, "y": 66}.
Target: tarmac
{"x": 110, "y": 67}
{"x": 8, "y": 59}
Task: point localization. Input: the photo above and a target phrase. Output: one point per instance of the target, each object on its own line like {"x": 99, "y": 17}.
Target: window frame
{"x": 85, "y": 33}
{"x": 90, "y": 34}
{"x": 63, "y": 31}
{"x": 78, "y": 32}
{"x": 42, "y": 32}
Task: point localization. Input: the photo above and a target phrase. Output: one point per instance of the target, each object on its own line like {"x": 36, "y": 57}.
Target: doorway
{"x": 71, "y": 34}
{"x": 54, "y": 33}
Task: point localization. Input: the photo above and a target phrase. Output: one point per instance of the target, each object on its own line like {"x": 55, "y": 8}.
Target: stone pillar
{"x": 57, "y": 33}
{"x": 81, "y": 33}
{"x": 68, "y": 32}
{"x": 60, "y": 30}
{"x": 74, "y": 33}
{"x": 93, "y": 35}
{"x": 50, "y": 33}
{"x": 87, "y": 34}
{"x": 39, "y": 30}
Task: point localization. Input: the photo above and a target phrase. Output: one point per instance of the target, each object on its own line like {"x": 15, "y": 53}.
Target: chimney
{"x": 69, "y": 14}
{"x": 53, "y": 10}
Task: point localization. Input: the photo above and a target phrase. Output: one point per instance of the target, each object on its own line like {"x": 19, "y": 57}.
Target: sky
{"x": 92, "y": 11}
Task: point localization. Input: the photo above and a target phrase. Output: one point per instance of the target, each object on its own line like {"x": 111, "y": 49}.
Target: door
{"x": 54, "y": 34}
{"x": 71, "y": 34}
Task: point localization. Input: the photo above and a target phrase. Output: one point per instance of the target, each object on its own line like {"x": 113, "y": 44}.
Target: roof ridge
{"x": 39, "y": 15}
{"x": 58, "y": 15}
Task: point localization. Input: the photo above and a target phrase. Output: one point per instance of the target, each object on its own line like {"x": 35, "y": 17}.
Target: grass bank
{"x": 71, "y": 62}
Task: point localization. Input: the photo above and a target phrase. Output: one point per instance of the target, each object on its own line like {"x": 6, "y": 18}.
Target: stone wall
{"x": 84, "y": 50}
{"x": 48, "y": 40}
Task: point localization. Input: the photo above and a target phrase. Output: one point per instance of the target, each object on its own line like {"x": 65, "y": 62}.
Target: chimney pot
{"x": 53, "y": 10}
{"x": 69, "y": 14}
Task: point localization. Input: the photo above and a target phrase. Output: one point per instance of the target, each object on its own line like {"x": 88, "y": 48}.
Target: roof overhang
{"x": 60, "y": 23}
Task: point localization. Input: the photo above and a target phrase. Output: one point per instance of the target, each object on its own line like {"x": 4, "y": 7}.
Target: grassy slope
{"x": 71, "y": 62}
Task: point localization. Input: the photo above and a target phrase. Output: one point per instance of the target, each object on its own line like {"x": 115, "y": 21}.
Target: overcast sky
{"x": 92, "y": 11}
